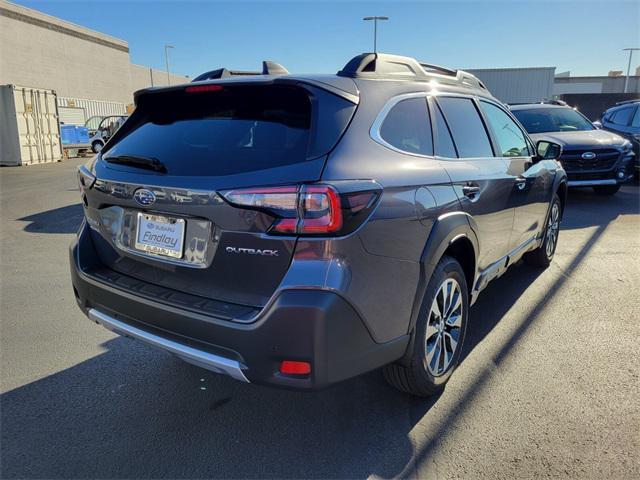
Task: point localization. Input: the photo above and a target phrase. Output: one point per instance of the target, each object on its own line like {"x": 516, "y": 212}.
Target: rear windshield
{"x": 224, "y": 132}
{"x": 542, "y": 120}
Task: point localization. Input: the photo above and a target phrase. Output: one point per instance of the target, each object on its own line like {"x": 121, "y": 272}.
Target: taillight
{"x": 203, "y": 88}
{"x": 85, "y": 181}
{"x": 307, "y": 209}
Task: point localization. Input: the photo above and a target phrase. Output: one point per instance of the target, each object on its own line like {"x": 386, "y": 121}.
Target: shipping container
{"x": 91, "y": 108}
{"x": 29, "y": 131}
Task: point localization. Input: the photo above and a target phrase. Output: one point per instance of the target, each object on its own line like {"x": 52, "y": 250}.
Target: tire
{"x": 422, "y": 377}
{"x": 96, "y": 147}
{"x": 606, "y": 189}
{"x": 543, "y": 255}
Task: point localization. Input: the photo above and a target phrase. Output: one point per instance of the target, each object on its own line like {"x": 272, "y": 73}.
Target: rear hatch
{"x": 159, "y": 206}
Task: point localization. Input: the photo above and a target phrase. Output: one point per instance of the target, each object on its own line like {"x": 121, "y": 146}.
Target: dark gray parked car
{"x": 301, "y": 230}
{"x": 591, "y": 157}
{"x": 624, "y": 119}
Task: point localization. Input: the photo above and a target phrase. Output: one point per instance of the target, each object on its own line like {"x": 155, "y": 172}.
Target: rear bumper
{"x": 312, "y": 325}
{"x": 201, "y": 358}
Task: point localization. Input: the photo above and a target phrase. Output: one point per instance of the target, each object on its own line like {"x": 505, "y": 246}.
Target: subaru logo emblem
{"x": 144, "y": 197}
{"x": 588, "y": 155}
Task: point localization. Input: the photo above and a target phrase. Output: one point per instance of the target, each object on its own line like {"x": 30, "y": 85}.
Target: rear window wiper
{"x": 148, "y": 163}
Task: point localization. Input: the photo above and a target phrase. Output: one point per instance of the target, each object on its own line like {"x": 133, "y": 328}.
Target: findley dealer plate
{"x": 160, "y": 235}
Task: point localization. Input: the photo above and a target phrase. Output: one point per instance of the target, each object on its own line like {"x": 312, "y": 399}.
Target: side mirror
{"x": 597, "y": 124}
{"x": 548, "y": 150}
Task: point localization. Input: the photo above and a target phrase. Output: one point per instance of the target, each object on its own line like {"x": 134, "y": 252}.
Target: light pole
{"x": 375, "y": 30}
{"x": 166, "y": 59}
{"x": 626, "y": 81}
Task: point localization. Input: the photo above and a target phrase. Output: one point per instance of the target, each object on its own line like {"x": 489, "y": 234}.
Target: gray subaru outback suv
{"x": 301, "y": 230}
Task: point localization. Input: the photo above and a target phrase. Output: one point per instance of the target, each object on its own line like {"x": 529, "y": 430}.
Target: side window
{"x": 466, "y": 127}
{"x": 407, "y": 127}
{"x": 443, "y": 141}
{"x": 636, "y": 118}
{"x": 510, "y": 138}
{"x": 622, "y": 116}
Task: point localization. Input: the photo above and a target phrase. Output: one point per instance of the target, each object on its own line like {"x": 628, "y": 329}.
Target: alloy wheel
{"x": 553, "y": 228}
{"x": 443, "y": 327}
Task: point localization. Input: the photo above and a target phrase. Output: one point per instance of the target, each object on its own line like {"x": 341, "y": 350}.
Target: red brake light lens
{"x": 203, "y": 88}
{"x": 282, "y": 200}
{"x": 321, "y": 210}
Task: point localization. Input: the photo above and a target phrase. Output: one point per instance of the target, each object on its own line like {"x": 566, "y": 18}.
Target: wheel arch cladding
{"x": 451, "y": 235}
{"x": 562, "y": 191}
{"x": 462, "y": 250}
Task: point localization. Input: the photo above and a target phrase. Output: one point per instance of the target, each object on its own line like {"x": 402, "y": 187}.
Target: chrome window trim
{"x": 374, "y": 131}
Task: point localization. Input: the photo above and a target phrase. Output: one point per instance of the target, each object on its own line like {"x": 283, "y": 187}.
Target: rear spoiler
{"x": 268, "y": 68}
{"x": 351, "y": 95}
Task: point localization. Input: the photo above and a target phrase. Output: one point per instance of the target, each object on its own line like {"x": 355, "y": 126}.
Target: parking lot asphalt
{"x": 549, "y": 384}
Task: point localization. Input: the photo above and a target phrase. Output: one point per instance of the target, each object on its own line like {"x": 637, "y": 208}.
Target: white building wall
{"x": 144, "y": 77}
{"x": 42, "y": 51}
{"x": 578, "y": 87}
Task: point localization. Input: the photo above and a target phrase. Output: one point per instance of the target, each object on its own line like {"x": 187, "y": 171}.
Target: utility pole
{"x": 166, "y": 59}
{"x": 375, "y": 30}
{"x": 626, "y": 81}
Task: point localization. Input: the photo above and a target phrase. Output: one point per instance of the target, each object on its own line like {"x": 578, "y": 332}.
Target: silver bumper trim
{"x": 591, "y": 183}
{"x": 191, "y": 355}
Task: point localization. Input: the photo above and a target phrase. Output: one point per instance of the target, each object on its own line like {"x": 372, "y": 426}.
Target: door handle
{"x": 521, "y": 182}
{"x": 470, "y": 190}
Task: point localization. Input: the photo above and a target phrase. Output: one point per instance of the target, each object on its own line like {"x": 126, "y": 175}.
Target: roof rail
{"x": 382, "y": 65}
{"x": 628, "y": 101}
{"x": 561, "y": 103}
{"x": 268, "y": 68}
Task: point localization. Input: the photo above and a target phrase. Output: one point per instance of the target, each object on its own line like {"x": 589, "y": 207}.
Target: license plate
{"x": 160, "y": 235}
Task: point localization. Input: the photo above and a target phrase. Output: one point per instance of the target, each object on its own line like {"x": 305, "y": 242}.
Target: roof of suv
{"x": 531, "y": 106}
{"x": 367, "y": 66}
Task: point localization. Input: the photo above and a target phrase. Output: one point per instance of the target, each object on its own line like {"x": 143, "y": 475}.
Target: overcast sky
{"x": 585, "y": 37}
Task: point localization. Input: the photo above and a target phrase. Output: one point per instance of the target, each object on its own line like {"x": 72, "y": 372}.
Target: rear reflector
{"x": 203, "y": 88}
{"x": 290, "y": 367}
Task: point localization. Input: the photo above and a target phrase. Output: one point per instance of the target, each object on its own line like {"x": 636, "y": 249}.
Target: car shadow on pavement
{"x": 587, "y": 209}
{"x": 133, "y": 412}
{"x": 58, "y": 220}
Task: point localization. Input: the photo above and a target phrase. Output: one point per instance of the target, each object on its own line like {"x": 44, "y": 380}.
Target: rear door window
{"x": 467, "y": 129}
{"x": 231, "y": 129}
{"x": 407, "y": 127}
{"x": 443, "y": 141}
{"x": 510, "y": 138}
{"x": 636, "y": 118}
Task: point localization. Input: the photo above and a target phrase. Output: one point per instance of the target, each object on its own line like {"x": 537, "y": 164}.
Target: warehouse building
{"x": 55, "y": 75}
{"x": 518, "y": 85}
{"x": 565, "y": 84}
{"x": 42, "y": 51}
